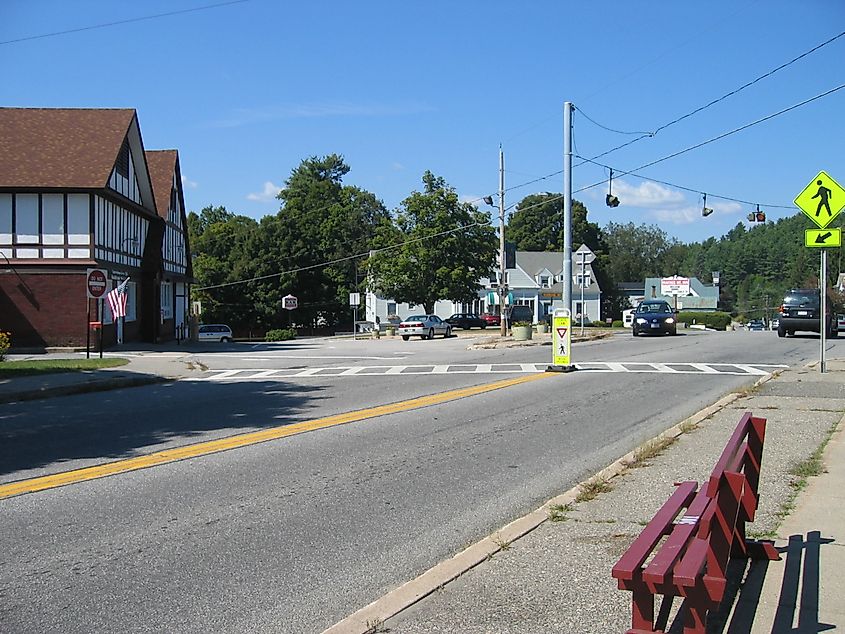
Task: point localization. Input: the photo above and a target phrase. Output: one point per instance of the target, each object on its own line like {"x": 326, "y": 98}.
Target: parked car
{"x": 424, "y": 326}
{"x": 490, "y": 319}
{"x": 466, "y": 321}
{"x": 775, "y": 323}
{"x": 654, "y": 317}
{"x": 215, "y": 332}
{"x": 756, "y": 324}
{"x": 519, "y": 313}
{"x": 840, "y": 323}
{"x": 801, "y": 311}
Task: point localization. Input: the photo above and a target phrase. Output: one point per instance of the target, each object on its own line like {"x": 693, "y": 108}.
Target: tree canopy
{"x": 438, "y": 248}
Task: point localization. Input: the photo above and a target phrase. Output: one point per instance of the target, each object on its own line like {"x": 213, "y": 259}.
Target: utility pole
{"x": 503, "y": 288}
{"x": 567, "y": 206}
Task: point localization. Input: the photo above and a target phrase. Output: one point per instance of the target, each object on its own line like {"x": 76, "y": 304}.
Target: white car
{"x": 840, "y": 323}
{"x": 215, "y": 332}
{"x": 424, "y": 326}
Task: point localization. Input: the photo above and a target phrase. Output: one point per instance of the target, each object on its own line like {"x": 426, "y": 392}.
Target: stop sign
{"x": 96, "y": 282}
{"x": 290, "y": 302}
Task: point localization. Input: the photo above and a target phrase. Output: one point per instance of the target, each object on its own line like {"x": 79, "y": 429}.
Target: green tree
{"x": 431, "y": 259}
{"x": 312, "y": 246}
{"x": 218, "y": 240}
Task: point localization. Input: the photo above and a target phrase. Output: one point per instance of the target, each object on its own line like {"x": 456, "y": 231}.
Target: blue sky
{"x": 247, "y": 90}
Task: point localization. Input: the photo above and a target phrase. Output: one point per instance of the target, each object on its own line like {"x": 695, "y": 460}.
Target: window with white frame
{"x": 545, "y": 281}
{"x": 166, "y": 300}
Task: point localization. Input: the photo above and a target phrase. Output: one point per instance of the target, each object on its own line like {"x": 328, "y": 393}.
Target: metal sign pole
{"x": 88, "y": 331}
{"x": 823, "y": 316}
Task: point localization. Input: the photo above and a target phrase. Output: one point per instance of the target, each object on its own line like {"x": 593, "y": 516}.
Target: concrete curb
{"x": 365, "y": 620}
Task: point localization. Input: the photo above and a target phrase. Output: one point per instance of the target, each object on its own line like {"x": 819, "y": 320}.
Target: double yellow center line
{"x": 242, "y": 440}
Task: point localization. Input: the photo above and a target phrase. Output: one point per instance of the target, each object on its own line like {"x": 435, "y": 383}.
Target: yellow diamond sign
{"x": 822, "y": 200}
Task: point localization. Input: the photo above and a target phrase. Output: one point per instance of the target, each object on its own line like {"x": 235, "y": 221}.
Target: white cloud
{"x": 189, "y": 184}
{"x": 269, "y": 193}
{"x": 678, "y": 216}
{"x": 647, "y": 194}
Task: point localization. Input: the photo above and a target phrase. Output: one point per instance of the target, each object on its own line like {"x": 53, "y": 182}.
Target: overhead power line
{"x": 715, "y": 138}
{"x": 645, "y": 135}
{"x": 130, "y": 20}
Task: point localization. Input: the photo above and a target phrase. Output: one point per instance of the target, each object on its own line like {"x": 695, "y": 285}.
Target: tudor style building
{"x": 78, "y": 191}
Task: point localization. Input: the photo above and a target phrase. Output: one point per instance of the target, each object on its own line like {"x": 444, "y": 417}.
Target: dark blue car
{"x": 654, "y": 317}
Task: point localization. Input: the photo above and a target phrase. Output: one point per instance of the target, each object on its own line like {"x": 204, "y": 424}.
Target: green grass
{"x": 558, "y": 512}
{"x": 591, "y": 488}
{"x": 12, "y": 369}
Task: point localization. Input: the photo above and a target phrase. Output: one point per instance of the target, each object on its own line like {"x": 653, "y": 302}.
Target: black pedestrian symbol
{"x": 824, "y": 196}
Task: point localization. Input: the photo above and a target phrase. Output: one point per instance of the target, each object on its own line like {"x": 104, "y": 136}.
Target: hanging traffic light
{"x": 760, "y": 215}
{"x": 705, "y": 210}
{"x": 610, "y": 200}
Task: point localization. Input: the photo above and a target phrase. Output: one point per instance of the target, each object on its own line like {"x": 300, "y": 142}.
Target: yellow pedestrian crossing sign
{"x": 823, "y": 237}
{"x": 821, "y": 200}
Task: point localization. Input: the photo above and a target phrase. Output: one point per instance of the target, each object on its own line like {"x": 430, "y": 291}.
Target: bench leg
{"x": 642, "y": 610}
{"x": 695, "y": 616}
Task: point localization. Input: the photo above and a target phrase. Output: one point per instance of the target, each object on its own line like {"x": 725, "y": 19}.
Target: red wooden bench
{"x": 687, "y": 556}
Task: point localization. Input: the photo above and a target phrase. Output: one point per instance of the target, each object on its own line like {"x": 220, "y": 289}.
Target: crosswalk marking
{"x": 708, "y": 369}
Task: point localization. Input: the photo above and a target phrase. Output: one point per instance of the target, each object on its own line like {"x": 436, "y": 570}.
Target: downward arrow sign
{"x": 822, "y": 237}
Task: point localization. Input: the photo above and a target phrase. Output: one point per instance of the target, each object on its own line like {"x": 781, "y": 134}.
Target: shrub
{"x": 617, "y": 323}
{"x": 280, "y": 334}
{"x": 716, "y": 320}
{"x": 5, "y": 343}
{"x": 599, "y": 324}
{"x": 521, "y": 323}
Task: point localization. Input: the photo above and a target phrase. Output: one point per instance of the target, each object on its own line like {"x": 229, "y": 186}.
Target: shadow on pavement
{"x": 117, "y": 424}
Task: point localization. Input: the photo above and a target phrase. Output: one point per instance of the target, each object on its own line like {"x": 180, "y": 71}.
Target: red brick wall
{"x": 45, "y": 309}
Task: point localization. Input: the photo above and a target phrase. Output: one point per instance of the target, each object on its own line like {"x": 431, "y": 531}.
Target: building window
{"x": 166, "y": 300}
{"x": 544, "y": 281}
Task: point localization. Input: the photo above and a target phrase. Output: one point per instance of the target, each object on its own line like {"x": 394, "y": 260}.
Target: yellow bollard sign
{"x": 561, "y": 338}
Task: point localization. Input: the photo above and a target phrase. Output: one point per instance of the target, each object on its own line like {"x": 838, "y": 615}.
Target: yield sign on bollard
{"x": 561, "y": 341}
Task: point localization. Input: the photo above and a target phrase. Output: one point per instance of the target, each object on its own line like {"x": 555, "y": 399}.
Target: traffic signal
{"x": 610, "y": 200}
{"x": 705, "y": 210}
{"x": 757, "y": 216}
{"x": 510, "y": 255}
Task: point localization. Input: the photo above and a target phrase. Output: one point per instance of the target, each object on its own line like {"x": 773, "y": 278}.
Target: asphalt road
{"x": 294, "y": 534}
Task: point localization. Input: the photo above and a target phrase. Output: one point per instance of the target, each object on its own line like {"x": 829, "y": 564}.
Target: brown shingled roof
{"x": 60, "y": 147}
{"x": 162, "y": 164}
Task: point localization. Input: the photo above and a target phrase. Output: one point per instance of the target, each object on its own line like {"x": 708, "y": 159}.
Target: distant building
{"x": 702, "y": 297}
{"x": 536, "y": 281}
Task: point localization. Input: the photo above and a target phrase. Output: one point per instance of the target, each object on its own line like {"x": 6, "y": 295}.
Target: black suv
{"x": 801, "y": 310}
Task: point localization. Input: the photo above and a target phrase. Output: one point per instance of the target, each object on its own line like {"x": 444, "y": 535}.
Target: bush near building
{"x": 280, "y": 334}
{"x": 5, "y": 344}
{"x": 716, "y": 320}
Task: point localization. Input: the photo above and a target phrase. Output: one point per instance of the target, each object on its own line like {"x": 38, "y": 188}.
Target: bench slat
{"x": 659, "y": 525}
{"x": 659, "y": 569}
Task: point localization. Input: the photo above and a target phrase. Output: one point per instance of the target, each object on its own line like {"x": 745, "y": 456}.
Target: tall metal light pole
{"x": 503, "y": 288}
{"x": 567, "y": 206}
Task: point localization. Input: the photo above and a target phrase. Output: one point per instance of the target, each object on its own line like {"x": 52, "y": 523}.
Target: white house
{"x": 535, "y": 281}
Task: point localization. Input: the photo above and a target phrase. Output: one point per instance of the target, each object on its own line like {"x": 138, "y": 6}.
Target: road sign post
{"x": 561, "y": 341}
{"x": 821, "y": 201}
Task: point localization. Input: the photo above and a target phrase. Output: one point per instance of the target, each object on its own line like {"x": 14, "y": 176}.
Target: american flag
{"x": 117, "y": 299}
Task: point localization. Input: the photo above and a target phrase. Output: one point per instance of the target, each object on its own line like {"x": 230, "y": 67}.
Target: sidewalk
{"x": 536, "y": 575}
